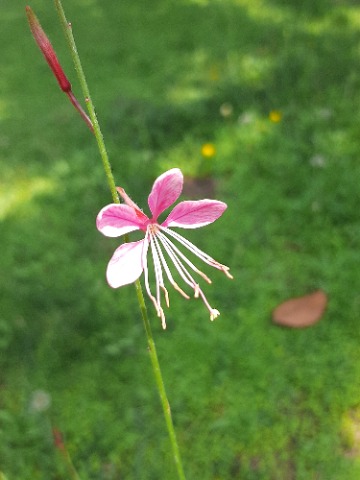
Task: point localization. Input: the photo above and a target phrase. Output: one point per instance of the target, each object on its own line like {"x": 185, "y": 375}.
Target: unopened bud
{"x": 47, "y": 49}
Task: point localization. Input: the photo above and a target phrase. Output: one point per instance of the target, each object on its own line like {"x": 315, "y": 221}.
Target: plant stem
{"x": 79, "y": 108}
{"x": 160, "y": 384}
{"x": 85, "y": 89}
{"x": 110, "y": 178}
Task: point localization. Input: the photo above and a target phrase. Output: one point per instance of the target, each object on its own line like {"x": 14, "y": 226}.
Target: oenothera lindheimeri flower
{"x": 130, "y": 259}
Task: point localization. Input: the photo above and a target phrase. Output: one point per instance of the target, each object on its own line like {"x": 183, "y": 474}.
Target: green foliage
{"x": 249, "y": 400}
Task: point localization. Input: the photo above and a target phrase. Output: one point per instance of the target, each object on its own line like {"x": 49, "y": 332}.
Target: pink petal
{"x": 126, "y": 265}
{"x": 165, "y": 191}
{"x": 115, "y": 220}
{"x": 195, "y": 214}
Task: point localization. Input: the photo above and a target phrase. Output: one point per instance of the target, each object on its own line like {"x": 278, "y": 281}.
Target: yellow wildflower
{"x": 208, "y": 150}
{"x": 275, "y": 116}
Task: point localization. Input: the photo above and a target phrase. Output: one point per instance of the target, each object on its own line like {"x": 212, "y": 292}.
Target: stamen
{"x": 167, "y": 270}
{"x": 174, "y": 248}
{"x": 226, "y": 271}
{"x": 184, "y": 273}
{"x": 214, "y": 314}
{"x": 145, "y": 266}
{"x": 157, "y": 268}
{"x": 159, "y": 312}
{"x": 158, "y": 240}
{"x": 166, "y": 295}
{"x": 196, "y": 251}
{"x": 146, "y": 275}
{"x": 158, "y": 278}
{"x": 162, "y": 316}
{"x": 177, "y": 288}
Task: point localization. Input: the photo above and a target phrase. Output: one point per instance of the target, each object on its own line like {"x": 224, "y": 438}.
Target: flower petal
{"x": 126, "y": 265}
{"x": 115, "y": 220}
{"x": 195, "y": 214}
{"x": 165, "y": 191}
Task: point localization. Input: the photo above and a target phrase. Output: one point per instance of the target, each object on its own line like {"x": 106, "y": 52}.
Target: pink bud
{"x": 47, "y": 49}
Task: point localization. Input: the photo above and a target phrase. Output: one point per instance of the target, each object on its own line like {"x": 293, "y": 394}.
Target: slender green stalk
{"x": 85, "y": 89}
{"x": 160, "y": 383}
{"x": 108, "y": 171}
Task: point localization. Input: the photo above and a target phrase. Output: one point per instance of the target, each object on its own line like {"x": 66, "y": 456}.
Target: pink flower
{"x": 130, "y": 259}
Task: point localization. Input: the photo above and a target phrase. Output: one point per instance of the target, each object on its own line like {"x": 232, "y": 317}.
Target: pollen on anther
{"x": 214, "y": 314}
{"x": 166, "y": 294}
{"x": 162, "y": 316}
{"x": 227, "y": 273}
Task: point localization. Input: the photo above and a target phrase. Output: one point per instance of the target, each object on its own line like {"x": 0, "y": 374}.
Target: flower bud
{"x": 47, "y": 49}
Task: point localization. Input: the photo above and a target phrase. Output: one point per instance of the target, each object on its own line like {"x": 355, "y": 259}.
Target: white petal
{"x": 126, "y": 264}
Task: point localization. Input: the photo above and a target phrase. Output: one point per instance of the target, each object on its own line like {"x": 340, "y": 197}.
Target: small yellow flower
{"x": 275, "y": 116}
{"x": 208, "y": 150}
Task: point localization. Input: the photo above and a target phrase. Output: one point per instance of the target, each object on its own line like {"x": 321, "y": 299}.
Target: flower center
{"x": 153, "y": 229}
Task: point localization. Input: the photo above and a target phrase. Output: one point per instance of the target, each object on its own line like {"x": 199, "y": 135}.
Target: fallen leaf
{"x": 302, "y": 311}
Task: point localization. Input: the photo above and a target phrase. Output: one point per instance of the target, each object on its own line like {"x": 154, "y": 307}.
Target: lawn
{"x": 257, "y": 102}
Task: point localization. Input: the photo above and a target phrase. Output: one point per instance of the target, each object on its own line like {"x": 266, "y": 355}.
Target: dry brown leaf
{"x": 302, "y": 311}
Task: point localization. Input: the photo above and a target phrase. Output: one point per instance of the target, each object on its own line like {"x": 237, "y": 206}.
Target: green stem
{"x": 72, "y": 471}
{"x": 160, "y": 384}
{"x": 90, "y": 106}
{"x": 110, "y": 178}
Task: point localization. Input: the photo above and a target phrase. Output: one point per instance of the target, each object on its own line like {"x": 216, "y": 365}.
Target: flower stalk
{"x": 92, "y": 121}
{"x": 67, "y": 28}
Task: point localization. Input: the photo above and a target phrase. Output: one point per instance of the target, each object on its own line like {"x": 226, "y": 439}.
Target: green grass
{"x": 250, "y": 400}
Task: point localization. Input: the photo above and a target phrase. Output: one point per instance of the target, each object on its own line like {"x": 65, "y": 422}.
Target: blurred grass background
{"x": 273, "y": 86}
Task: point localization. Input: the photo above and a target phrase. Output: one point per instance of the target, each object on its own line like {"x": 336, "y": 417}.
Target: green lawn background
{"x": 249, "y": 400}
